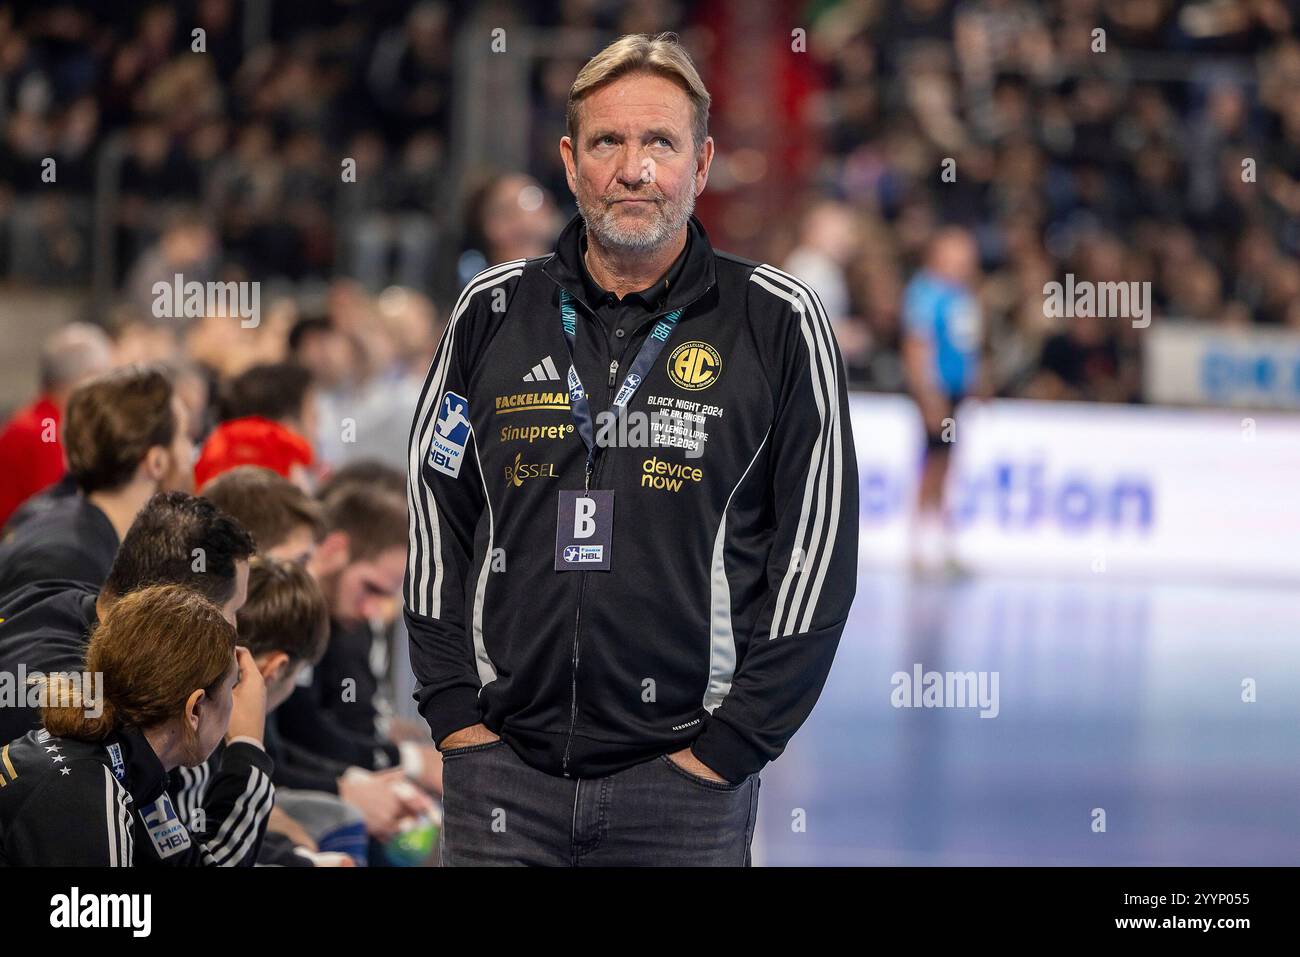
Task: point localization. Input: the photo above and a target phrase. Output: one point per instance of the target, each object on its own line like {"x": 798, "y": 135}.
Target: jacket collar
{"x": 695, "y": 273}
{"x": 652, "y": 297}
{"x": 133, "y": 762}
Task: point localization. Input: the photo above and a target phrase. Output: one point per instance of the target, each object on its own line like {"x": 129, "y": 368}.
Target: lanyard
{"x": 579, "y": 407}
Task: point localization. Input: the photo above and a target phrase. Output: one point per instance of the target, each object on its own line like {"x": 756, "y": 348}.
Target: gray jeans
{"x": 499, "y": 811}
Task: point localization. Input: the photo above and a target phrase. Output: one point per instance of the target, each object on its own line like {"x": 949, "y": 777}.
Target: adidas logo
{"x": 544, "y": 371}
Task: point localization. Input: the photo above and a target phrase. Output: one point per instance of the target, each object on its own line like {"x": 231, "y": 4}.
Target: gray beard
{"x": 600, "y": 223}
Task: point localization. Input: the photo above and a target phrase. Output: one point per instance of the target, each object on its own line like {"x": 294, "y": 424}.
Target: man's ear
{"x": 702, "y": 163}
{"x": 331, "y": 555}
{"x": 272, "y": 665}
{"x": 156, "y": 463}
{"x": 569, "y": 157}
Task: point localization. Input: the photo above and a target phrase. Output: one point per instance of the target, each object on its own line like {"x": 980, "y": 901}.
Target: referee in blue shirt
{"x": 942, "y": 337}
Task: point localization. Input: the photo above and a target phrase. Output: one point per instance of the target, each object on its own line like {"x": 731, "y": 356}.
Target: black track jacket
{"x": 66, "y": 802}
{"x": 732, "y": 570}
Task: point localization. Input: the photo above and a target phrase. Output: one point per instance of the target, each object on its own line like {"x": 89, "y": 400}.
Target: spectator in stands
{"x": 508, "y": 217}
{"x": 194, "y": 389}
{"x": 827, "y": 242}
{"x": 396, "y": 218}
{"x": 31, "y": 444}
{"x": 156, "y": 180}
{"x": 331, "y": 356}
{"x": 141, "y": 339}
{"x": 281, "y": 392}
{"x": 186, "y": 248}
{"x": 127, "y": 438}
{"x": 408, "y": 327}
{"x": 267, "y": 414}
{"x": 1081, "y": 362}
{"x": 221, "y": 344}
{"x": 367, "y": 415}
{"x": 410, "y": 73}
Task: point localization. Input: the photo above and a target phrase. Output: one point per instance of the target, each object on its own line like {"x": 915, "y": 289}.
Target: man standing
{"x": 941, "y": 355}
{"x": 630, "y": 567}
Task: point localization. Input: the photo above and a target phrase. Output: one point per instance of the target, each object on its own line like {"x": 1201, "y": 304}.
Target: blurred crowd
{"x": 186, "y": 116}
{"x": 1113, "y": 140}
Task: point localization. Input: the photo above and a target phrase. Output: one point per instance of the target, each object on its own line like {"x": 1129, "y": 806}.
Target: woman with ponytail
{"x": 163, "y": 685}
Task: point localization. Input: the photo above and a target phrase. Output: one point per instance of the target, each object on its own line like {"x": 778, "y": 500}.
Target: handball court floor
{"x": 1120, "y": 696}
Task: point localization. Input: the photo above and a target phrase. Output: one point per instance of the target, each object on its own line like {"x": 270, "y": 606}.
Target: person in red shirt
{"x": 31, "y": 444}
{"x": 266, "y": 414}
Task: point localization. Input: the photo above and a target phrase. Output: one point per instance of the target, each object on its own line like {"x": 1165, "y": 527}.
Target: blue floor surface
{"x": 1124, "y": 697}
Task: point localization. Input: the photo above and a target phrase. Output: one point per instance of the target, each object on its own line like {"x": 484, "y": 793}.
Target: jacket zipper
{"x": 573, "y": 668}
{"x": 582, "y": 580}
{"x": 573, "y": 677}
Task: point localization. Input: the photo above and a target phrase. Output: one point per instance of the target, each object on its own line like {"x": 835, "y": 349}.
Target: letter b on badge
{"x": 584, "y": 518}
{"x": 584, "y": 530}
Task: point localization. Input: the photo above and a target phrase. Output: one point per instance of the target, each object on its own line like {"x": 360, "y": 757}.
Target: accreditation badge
{"x": 584, "y": 530}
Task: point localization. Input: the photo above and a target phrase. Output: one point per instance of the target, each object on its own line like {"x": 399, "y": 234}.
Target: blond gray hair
{"x": 661, "y": 54}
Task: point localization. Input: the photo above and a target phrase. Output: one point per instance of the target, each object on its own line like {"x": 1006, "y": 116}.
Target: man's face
{"x": 634, "y": 169}
{"x": 231, "y": 608}
{"x": 297, "y": 547}
{"x": 180, "y": 454}
{"x": 367, "y": 590}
